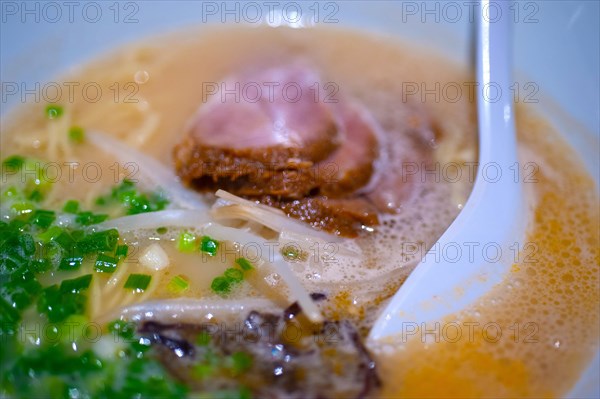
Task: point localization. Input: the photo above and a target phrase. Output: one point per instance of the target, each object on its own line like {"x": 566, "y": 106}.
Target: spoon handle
{"x": 494, "y": 100}
{"x": 474, "y": 253}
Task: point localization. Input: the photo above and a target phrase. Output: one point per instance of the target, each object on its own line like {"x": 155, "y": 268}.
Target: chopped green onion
{"x": 89, "y": 218}
{"x": 138, "y": 282}
{"x": 66, "y": 241}
{"x": 42, "y": 218}
{"x": 13, "y": 163}
{"x": 72, "y": 262}
{"x": 209, "y": 245}
{"x": 8, "y": 314}
{"x": 22, "y": 286}
{"x": 36, "y": 196}
{"x": 121, "y": 251}
{"x": 26, "y": 243}
{"x": 135, "y": 202}
{"x": 76, "y": 134}
{"x": 40, "y": 265}
{"x": 244, "y": 264}
{"x": 100, "y": 241}
{"x": 76, "y": 284}
{"x": 122, "y": 329}
{"x": 78, "y": 235}
{"x": 50, "y": 234}
{"x": 234, "y": 275}
{"x": 22, "y": 208}
{"x": 105, "y": 264}
{"x": 123, "y": 190}
{"x": 71, "y": 206}
{"x": 11, "y": 192}
{"x": 58, "y": 305}
{"x": 179, "y": 284}
{"x": 186, "y": 242}
{"x": 36, "y": 183}
{"x": 221, "y": 285}
{"x": 54, "y": 111}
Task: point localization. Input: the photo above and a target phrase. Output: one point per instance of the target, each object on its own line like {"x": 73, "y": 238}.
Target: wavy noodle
{"x": 169, "y": 218}
{"x": 148, "y": 127}
{"x": 297, "y": 290}
{"x": 188, "y": 310}
{"x": 202, "y": 222}
{"x": 151, "y": 169}
{"x": 273, "y": 218}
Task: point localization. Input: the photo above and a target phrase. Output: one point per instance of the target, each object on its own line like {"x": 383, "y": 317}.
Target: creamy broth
{"x": 543, "y": 320}
{"x": 546, "y": 311}
{"x": 176, "y": 74}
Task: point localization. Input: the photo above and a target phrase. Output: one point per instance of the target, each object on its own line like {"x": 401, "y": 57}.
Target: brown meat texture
{"x": 327, "y": 164}
{"x": 340, "y": 216}
{"x": 282, "y": 172}
{"x": 262, "y": 147}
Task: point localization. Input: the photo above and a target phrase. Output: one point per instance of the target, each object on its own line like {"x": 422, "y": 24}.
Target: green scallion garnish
{"x": 22, "y": 208}
{"x": 11, "y": 192}
{"x": 13, "y": 163}
{"x": 138, "y": 282}
{"x": 54, "y": 111}
{"x": 186, "y": 242}
{"x": 76, "y": 134}
{"x": 58, "y": 305}
{"x": 101, "y": 241}
{"x": 71, "y": 206}
{"x": 89, "y": 218}
{"x": 35, "y": 196}
{"x": 50, "y": 234}
{"x": 208, "y": 245}
{"x": 179, "y": 284}
{"x": 77, "y": 284}
{"x": 234, "y": 275}
{"x": 244, "y": 264}
{"x": 221, "y": 285}
{"x": 42, "y": 218}
{"x": 105, "y": 264}
{"x": 121, "y": 251}
{"x": 71, "y": 262}
{"x": 122, "y": 329}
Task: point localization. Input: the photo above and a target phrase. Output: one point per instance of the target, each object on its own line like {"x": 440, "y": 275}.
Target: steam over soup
{"x": 231, "y": 214}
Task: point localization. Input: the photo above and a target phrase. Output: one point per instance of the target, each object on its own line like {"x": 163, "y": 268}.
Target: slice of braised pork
{"x": 267, "y": 146}
{"x": 340, "y": 216}
{"x": 326, "y": 163}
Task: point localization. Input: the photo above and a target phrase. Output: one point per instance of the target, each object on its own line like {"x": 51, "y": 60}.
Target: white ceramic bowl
{"x": 557, "y": 47}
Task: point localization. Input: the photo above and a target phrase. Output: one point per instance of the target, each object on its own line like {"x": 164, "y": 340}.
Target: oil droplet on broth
{"x": 141, "y": 77}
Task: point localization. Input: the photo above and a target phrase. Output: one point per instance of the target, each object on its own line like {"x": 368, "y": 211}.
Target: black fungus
{"x": 268, "y": 355}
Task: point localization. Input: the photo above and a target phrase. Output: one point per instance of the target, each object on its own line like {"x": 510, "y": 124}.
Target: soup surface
{"x": 85, "y": 158}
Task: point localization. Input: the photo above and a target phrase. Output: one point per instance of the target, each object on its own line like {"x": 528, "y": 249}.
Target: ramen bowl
{"x": 559, "y": 83}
